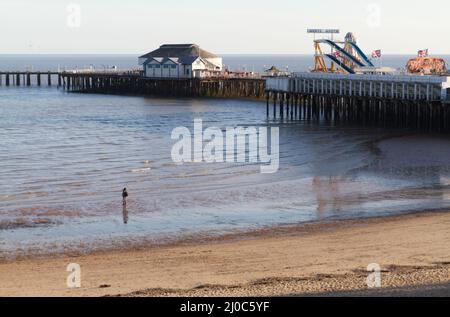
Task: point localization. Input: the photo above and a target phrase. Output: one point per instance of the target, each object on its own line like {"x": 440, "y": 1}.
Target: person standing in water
{"x": 125, "y": 211}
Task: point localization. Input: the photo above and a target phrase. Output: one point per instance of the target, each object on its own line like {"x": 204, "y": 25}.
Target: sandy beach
{"x": 315, "y": 259}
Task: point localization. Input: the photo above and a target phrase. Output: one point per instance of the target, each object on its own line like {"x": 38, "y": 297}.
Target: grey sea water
{"x": 256, "y": 63}
{"x": 65, "y": 158}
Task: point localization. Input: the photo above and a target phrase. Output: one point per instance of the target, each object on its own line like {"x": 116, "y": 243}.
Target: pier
{"x": 132, "y": 82}
{"x": 26, "y": 78}
{"x": 404, "y": 101}
{"x": 136, "y": 84}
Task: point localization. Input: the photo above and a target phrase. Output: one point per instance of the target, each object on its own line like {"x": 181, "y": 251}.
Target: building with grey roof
{"x": 180, "y": 61}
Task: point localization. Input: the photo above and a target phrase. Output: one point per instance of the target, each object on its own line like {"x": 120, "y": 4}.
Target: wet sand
{"x": 316, "y": 259}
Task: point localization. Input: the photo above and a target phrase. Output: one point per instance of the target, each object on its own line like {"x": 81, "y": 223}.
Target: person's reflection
{"x": 327, "y": 195}
{"x": 125, "y": 210}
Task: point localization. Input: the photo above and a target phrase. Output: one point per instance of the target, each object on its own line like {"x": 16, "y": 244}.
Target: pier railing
{"x": 402, "y": 87}
{"x": 417, "y": 102}
{"x": 119, "y": 72}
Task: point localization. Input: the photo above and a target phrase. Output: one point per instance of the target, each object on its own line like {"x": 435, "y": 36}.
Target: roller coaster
{"x": 344, "y": 59}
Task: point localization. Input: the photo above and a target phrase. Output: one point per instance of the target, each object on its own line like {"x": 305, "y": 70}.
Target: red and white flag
{"x": 423, "y": 53}
{"x": 376, "y": 54}
{"x": 337, "y": 54}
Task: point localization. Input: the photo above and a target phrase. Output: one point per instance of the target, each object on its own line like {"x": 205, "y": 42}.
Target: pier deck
{"x": 417, "y": 102}
{"x": 18, "y": 78}
{"x": 132, "y": 82}
{"x": 136, "y": 84}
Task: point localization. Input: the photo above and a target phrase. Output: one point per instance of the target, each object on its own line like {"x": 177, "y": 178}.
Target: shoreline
{"x": 315, "y": 258}
{"x": 208, "y": 238}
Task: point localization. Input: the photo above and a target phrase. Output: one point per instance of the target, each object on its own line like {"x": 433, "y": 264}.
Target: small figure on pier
{"x": 125, "y": 211}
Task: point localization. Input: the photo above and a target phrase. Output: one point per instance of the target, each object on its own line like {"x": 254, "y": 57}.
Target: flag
{"x": 423, "y": 53}
{"x": 376, "y": 54}
{"x": 337, "y": 54}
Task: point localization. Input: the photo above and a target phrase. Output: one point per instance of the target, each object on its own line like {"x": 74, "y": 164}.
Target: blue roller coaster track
{"x": 364, "y": 62}
{"x": 361, "y": 53}
{"x": 340, "y": 63}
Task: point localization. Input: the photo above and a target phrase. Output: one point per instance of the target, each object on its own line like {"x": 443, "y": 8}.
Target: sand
{"x": 327, "y": 259}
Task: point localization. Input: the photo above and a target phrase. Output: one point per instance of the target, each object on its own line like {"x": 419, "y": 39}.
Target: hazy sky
{"x": 221, "y": 26}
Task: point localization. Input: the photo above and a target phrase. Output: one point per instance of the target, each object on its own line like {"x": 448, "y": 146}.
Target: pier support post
{"x": 288, "y": 104}
{"x": 282, "y": 105}
{"x": 291, "y": 102}
{"x": 275, "y": 96}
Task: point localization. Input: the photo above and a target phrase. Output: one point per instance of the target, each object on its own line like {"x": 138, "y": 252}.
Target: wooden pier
{"x": 136, "y": 84}
{"x": 404, "y": 101}
{"x": 29, "y": 78}
{"x": 416, "y": 102}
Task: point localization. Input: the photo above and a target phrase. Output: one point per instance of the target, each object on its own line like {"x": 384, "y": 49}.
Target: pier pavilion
{"x": 180, "y": 61}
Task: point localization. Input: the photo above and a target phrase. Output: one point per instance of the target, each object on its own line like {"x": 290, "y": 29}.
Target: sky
{"x": 220, "y": 26}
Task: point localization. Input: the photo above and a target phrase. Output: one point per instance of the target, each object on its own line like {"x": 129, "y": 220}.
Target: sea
{"x": 65, "y": 158}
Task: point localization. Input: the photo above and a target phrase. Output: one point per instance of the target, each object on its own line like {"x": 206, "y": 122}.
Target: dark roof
{"x": 273, "y": 69}
{"x": 180, "y": 51}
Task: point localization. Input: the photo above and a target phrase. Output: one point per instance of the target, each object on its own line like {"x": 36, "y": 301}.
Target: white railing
{"x": 104, "y": 71}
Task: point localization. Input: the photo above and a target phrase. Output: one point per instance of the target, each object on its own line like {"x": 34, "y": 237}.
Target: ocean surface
{"x": 255, "y": 63}
{"x": 65, "y": 158}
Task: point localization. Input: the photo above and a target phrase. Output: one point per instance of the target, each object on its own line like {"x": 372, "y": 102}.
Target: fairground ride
{"x": 344, "y": 57}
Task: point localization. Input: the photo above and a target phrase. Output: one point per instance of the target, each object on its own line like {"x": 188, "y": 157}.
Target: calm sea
{"x": 64, "y": 159}
{"x": 256, "y": 63}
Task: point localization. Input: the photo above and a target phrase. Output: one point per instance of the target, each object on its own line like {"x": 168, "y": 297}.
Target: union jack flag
{"x": 376, "y": 54}
{"x": 423, "y": 53}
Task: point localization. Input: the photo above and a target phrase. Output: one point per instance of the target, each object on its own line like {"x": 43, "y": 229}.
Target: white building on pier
{"x": 181, "y": 61}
